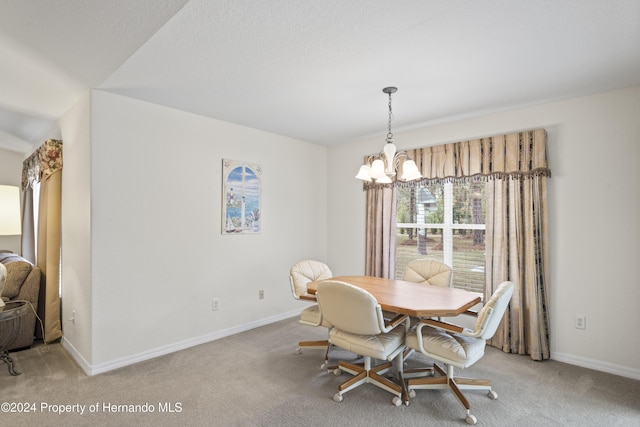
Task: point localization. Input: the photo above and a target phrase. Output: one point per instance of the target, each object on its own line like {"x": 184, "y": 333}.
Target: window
{"x": 445, "y": 222}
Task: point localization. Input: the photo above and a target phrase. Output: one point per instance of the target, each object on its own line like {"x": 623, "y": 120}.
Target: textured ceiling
{"x": 51, "y": 51}
{"x": 310, "y": 69}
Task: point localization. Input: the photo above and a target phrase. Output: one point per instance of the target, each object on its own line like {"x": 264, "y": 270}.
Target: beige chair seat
{"x": 311, "y": 316}
{"x": 377, "y": 346}
{"x": 461, "y": 350}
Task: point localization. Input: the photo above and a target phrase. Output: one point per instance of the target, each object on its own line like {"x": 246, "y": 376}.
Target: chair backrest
{"x": 428, "y": 271}
{"x": 491, "y": 314}
{"x": 304, "y": 272}
{"x": 349, "y": 308}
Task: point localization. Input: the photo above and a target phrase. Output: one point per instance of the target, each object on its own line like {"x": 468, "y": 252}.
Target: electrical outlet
{"x": 215, "y": 304}
{"x": 261, "y": 294}
{"x": 581, "y": 321}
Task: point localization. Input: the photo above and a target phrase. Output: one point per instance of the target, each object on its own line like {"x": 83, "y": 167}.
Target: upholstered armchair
{"x": 428, "y": 271}
{"x": 300, "y": 274}
{"x": 359, "y": 326}
{"x": 459, "y": 347}
{"x": 22, "y": 282}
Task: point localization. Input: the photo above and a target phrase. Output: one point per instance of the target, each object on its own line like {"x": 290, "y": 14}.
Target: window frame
{"x": 447, "y": 226}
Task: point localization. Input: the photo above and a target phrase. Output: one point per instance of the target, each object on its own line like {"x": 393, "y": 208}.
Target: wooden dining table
{"x": 410, "y": 298}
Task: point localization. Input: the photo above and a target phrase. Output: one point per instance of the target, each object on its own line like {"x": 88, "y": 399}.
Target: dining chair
{"x": 359, "y": 327}
{"x": 300, "y": 274}
{"x": 428, "y": 271}
{"x": 459, "y": 347}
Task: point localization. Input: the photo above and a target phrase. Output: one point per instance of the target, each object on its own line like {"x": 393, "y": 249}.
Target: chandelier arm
{"x": 371, "y": 158}
{"x": 400, "y": 155}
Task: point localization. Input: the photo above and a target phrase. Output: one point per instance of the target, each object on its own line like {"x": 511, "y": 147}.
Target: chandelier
{"x": 381, "y": 168}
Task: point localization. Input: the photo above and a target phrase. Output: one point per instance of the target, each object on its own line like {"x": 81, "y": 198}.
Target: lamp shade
{"x": 410, "y": 171}
{"x": 364, "y": 173}
{"x": 377, "y": 169}
{"x": 9, "y": 211}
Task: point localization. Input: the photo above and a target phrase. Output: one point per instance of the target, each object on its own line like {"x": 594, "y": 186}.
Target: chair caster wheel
{"x": 471, "y": 419}
{"x": 412, "y": 393}
{"x": 396, "y": 401}
{"x": 492, "y": 395}
{"x": 337, "y": 397}
{"x": 323, "y": 366}
{"x": 337, "y": 372}
{"x": 297, "y": 351}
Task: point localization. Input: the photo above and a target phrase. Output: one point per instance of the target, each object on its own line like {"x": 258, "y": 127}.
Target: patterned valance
{"x": 517, "y": 155}
{"x": 46, "y": 160}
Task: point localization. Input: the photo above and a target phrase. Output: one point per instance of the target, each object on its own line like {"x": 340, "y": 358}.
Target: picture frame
{"x": 241, "y": 197}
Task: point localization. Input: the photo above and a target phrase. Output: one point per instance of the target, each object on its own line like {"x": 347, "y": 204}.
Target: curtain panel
{"x": 42, "y": 243}
{"x": 517, "y": 250}
{"x": 515, "y": 169}
{"x": 380, "y": 240}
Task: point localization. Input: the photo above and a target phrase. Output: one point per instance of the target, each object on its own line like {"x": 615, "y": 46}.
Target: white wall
{"x": 157, "y": 256}
{"x": 594, "y": 198}
{"x": 76, "y": 229}
{"x": 11, "y": 174}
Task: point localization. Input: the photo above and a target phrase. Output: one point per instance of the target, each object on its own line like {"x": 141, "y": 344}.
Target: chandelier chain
{"x": 389, "y": 134}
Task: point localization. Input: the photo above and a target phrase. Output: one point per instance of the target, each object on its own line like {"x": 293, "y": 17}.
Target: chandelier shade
{"x": 382, "y": 167}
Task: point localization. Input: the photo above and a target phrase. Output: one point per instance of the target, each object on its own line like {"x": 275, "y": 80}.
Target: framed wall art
{"x": 241, "y": 192}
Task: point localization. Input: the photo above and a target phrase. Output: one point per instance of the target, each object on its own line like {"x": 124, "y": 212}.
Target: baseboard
{"x": 80, "y": 360}
{"x": 597, "y": 365}
{"x": 170, "y": 348}
{"x": 91, "y": 370}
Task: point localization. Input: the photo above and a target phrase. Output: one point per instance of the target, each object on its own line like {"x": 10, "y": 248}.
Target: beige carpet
{"x": 254, "y": 379}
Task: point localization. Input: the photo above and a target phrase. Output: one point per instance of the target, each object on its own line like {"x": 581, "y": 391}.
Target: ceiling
{"x": 310, "y": 69}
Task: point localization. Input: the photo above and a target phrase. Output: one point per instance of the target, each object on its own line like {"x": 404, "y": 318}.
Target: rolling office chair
{"x": 429, "y": 271}
{"x": 300, "y": 274}
{"x": 459, "y": 347}
{"x": 358, "y": 326}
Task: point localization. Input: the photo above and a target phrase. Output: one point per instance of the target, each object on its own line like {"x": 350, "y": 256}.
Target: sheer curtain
{"x": 514, "y": 168}
{"x": 41, "y": 189}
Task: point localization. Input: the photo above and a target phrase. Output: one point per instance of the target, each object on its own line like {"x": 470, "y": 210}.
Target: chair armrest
{"x": 395, "y": 321}
{"x": 438, "y": 324}
{"x": 308, "y": 297}
{"x": 441, "y": 325}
